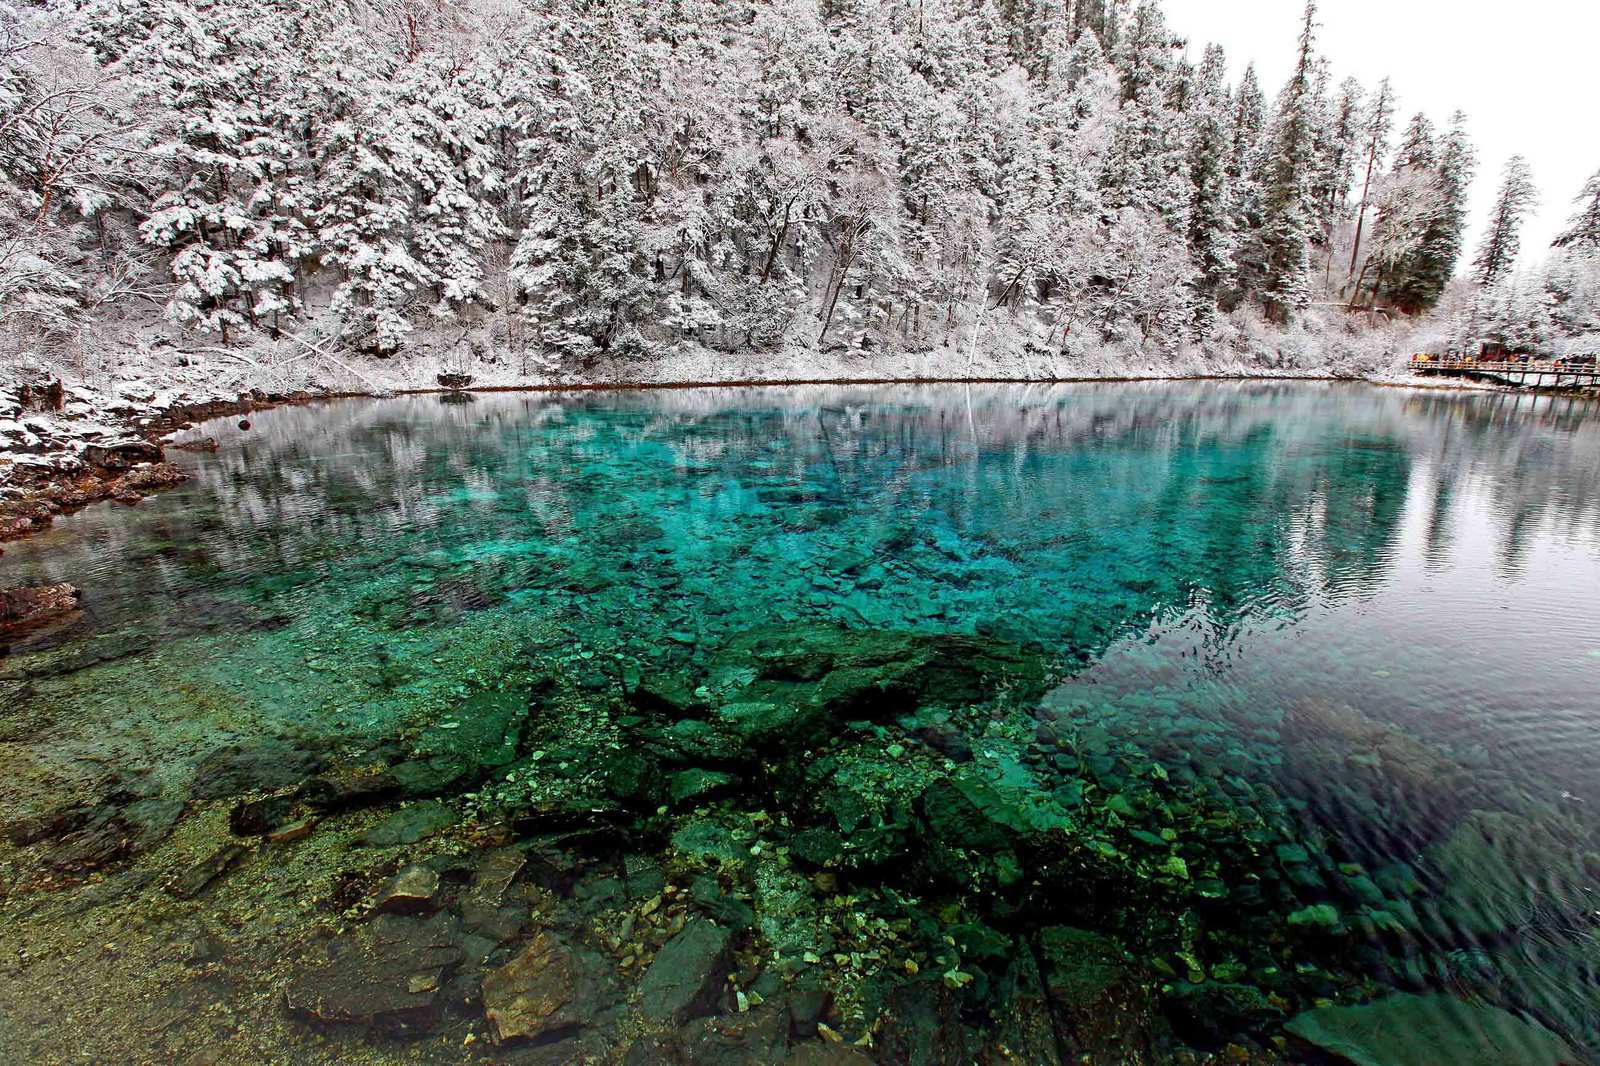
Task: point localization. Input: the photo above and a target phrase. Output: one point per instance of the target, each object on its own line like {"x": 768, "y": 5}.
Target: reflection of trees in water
{"x": 1529, "y": 460}
{"x": 1238, "y": 493}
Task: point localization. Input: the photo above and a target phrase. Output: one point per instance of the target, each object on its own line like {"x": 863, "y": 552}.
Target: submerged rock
{"x": 1097, "y": 994}
{"x": 686, "y": 974}
{"x": 1497, "y": 871}
{"x": 259, "y": 766}
{"x": 415, "y": 889}
{"x": 207, "y": 871}
{"x": 251, "y": 818}
{"x": 1214, "y": 1013}
{"x": 410, "y": 825}
{"x": 86, "y": 838}
{"x": 533, "y": 993}
{"x": 754, "y": 1038}
{"x": 1410, "y": 1030}
{"x": 387, "y": 974}
{"x": 773, "y": 688}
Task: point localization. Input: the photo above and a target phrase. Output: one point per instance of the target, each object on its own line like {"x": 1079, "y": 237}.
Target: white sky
{"x": 1527, "y": 75}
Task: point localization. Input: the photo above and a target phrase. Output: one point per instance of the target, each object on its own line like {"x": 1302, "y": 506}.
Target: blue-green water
{"x": 1275, "y": 696}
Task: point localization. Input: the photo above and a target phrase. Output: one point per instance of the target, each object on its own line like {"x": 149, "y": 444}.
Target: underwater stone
{"x": 253, "y": 818}
{"x": 755, "y": 1038}
{"x": 347, "y": 787}
{"x": 203, "y": 874}
{"x": 1210, "y": 1015}
{"x": 410, "y": 824}
{"x": 532, "y": 994}
{"x": 707, "y": 840}
{"x": 387, "y": 973}
{"x": 421, "y": 778}
{"x": 484, "y": 728}
{"x": 1317, "y": 915}
{"x": 413, "y": 890}
{"x": 692, "y": 741}
{"x": 1486, "y": 864}
{"x": 697, "y": 783}
{"x": 632, "y": 776}
{"x": 262, "y": 766}
{"x": 483, "y": 905}
{"x": 1097, "y": 992}
{"x": 1411, "y": 1030}
{"x": 665, "y": 695}
{"x": 684, "y": 978}
{"x": 921, "y": 1025}
{"x": 89, "y": 838}
{"x": 764, "y": 723}
{"x": 717, "y": 905}
{"x": 1291, "y": 854}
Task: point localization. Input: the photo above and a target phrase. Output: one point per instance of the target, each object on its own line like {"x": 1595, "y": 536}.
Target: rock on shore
{"x": 23, "y": 607}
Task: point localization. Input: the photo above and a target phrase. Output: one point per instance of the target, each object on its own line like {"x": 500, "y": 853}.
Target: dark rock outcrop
{"x": 123, "y": 453}
{"x": 21, "y": 608}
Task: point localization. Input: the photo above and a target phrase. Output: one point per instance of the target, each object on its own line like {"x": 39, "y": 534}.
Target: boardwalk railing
{"x": 1554, "y": 373}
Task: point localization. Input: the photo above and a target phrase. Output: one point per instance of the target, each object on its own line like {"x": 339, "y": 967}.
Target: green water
{"x": 1130, "y": 720}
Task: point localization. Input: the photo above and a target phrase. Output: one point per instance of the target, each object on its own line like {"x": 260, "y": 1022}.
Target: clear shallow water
{"x": 1285, "y": 693}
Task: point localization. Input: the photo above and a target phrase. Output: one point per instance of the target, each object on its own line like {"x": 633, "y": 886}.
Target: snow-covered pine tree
{"x": 1338, "y": 151}
{"x": 1288, "y": 218}
{"x": 66, "y": 164}
{"x": 1583, "y": 230}
{"x": 226, "y": 79}
{"x": 1212, "y": 218}
{"x": 1420, "y": 280}
{"x": 1502, "y": 241}
{"x": 1404, "y": 203}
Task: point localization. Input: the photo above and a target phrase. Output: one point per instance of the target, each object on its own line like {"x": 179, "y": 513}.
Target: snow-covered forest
{"x": 564, "y": 180}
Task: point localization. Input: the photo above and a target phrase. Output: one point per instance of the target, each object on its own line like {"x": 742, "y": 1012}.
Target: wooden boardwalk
{"x": 1522, "y": 372}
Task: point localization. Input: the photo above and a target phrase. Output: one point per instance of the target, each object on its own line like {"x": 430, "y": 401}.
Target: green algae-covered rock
{"x": 707, "y": 841}
{"x": 484, "y": 728}
{"x": 632, "y": 776}
{"x": 1317, "y": 916}
{"x": 697, "y": 783}
{"x": 874, "y": 674}
{"x": 1435, "y": 1030}
{"x": 410, "y": 824}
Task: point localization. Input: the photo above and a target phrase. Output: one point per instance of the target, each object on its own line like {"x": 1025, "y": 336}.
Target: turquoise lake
{"x": 1145, "y": 722}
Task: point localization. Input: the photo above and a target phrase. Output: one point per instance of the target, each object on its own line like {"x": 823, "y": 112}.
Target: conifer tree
{"x": 1502, "y": 242}
{"x": 1421, "y": 278}
{"x": 1338, "y": 150}
{"x": 1211, "y": 232}
{"x": 1583, "y": 229}
{"x": 1288, "y": 217}
{"x": 624, "y": 178}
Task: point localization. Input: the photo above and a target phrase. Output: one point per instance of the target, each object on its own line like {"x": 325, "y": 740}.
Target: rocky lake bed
{"x": 637, "y": 733}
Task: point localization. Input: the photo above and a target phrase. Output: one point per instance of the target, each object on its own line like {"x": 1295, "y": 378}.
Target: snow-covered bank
{"x": 55, "y": 442}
